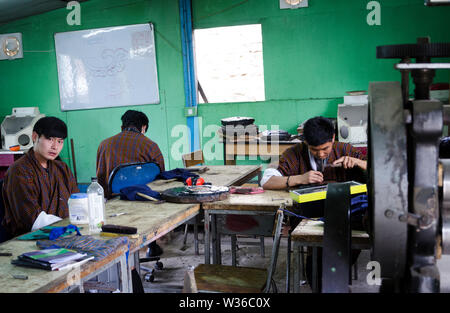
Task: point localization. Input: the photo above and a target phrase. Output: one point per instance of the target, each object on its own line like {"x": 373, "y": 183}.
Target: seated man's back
{"x": 128, "y": 146}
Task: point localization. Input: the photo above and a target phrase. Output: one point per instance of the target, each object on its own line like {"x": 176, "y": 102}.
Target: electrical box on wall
{"x": 11, "y": 46}
{"x": 190, "y": 111}
{"x": 293, "y": 4}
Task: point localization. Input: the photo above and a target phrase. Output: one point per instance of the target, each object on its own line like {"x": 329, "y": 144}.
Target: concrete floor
{"x": 178, "y": 260}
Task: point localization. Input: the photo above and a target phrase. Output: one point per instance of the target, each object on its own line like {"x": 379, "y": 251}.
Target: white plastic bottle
{"x": 79, "y": 208}
{"x": 96, "y": 201}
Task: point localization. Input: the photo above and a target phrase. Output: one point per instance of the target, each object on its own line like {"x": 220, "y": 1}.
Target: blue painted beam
{"x": 190, "y": 81}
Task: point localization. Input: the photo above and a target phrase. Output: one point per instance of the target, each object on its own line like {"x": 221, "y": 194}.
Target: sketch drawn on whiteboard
{"x": 107, "y": 67}
{"x": 109, "y": 63}
{"x": 141, "y": 44}
{"x": 116, "y": 90}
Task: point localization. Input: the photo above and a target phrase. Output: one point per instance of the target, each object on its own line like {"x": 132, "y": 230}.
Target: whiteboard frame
{"x": 151, "y": 93}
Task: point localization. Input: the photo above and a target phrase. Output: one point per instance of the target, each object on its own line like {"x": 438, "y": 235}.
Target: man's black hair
{"x": 318, "y": 130}
{"x": 132, "y": 118}
{"x": 50, "y": 126}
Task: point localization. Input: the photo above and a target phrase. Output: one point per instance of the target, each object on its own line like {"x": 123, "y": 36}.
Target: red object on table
{"x": 196, "y": 181}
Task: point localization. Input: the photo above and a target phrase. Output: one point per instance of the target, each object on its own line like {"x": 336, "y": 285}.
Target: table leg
{"x": 297, "y": 268}
{"x": 233, "y": 250}
{"x": 218, "y": 246}
{"x": 125, "y": 276}
{"x": 314, "y": 286}
{"x": 262, "y": 247}
{"x": 302, "y": 263}
{"x": 228, "y": 159}
{"x": 196, "y": 237}
{"x": 207, "y": 239}
{"x": 288, "y": 264}
{"x": 213, "y": 238}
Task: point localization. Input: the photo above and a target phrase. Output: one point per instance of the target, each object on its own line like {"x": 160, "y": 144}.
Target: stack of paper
{"x": 52, "y": 259}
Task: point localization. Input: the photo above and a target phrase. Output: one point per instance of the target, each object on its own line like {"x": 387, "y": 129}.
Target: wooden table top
{"x": 152, "y": 220}
{"x": 312, "y": 231}
{"x": 42, "y": 280}
{"x": 218, "y": 175}
{"x": 269, "y": 200}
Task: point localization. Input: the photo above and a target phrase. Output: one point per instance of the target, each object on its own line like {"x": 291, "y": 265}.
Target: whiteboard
{"x": 107, "y": 67}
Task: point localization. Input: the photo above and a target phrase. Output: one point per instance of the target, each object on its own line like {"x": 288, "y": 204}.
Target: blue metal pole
{"x": 190, "y": 82}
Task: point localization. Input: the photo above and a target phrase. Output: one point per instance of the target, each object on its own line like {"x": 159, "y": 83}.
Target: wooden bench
{"x": 309, "y": 233}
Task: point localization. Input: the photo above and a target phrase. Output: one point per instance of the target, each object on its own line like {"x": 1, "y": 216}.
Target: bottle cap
{"x": 93, "y": 178}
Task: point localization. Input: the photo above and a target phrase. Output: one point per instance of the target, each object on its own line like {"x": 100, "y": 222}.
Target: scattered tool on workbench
{"x": 106, "y": 234}
{"x": 119, "y": 229}
{"x": 143, "y": 195}
{"x": 246, "y": 190}
{"x": 19, "y": 276}
{"x": 199, "y": 170}
{"x": 195, "y": 194}
{"x": 117, "y": 214}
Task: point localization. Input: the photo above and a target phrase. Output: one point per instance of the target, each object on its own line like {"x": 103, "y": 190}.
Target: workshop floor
{"x": 177, "y": 260}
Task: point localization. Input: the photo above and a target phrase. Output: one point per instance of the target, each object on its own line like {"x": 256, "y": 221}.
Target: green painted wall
{"x": 33, "y": 81}
{"x": 311, "y": 57}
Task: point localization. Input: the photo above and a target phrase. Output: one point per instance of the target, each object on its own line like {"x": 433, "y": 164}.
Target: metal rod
{"x": 73, "y": 160}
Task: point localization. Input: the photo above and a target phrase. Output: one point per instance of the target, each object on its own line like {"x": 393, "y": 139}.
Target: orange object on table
{"x": 15, "y": 148}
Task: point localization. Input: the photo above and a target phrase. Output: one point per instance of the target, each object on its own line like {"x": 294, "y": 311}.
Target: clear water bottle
{"x": 96, "y": 200}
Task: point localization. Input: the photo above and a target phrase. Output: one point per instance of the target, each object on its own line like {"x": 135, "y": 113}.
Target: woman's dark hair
{"x": 50, "y": 126}
{"x": 132, "y": 118}
{"x": 318, "y": 130}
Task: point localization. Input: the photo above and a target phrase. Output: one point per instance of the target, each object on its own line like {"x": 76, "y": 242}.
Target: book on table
{"x": 52, "y": 259}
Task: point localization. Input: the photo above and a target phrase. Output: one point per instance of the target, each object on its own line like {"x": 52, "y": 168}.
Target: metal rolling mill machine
{"x": 408, "y": 185}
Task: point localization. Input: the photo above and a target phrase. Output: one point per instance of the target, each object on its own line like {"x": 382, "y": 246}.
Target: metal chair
{"x": 130, "y": 174}
{"x": 192, "y": 159}
{"x": 225, "y": 278}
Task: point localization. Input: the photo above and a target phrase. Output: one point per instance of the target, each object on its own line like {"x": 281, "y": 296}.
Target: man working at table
{"x": 37, "y": 186}
{"x": 318, "y": 160}
{"x": 129, "y": 146}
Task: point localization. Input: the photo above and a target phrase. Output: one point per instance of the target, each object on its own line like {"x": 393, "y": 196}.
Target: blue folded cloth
{"x": 178, "y": 173}
{"x": 59, "y": 231}
{"x": 130, "y": 193}
{"x": 359, "y": 204}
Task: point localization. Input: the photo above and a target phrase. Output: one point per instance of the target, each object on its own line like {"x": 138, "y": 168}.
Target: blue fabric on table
{"x": 180, "y": 174}
{"x": 358, "y": 207}
{"x": 57, "y": 232}
{"x": 130, "y": 193}
{"x": 359, "y": 204}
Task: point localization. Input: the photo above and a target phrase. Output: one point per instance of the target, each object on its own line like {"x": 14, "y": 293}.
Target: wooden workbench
{"x": 218, "y": 175}
{"x": 226, "y": 217}
{"x": 254, "y": 147}
{"x": 152, "y": 221}
{"x": 309, "y": 233}
{"x": 55, "y": 281}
